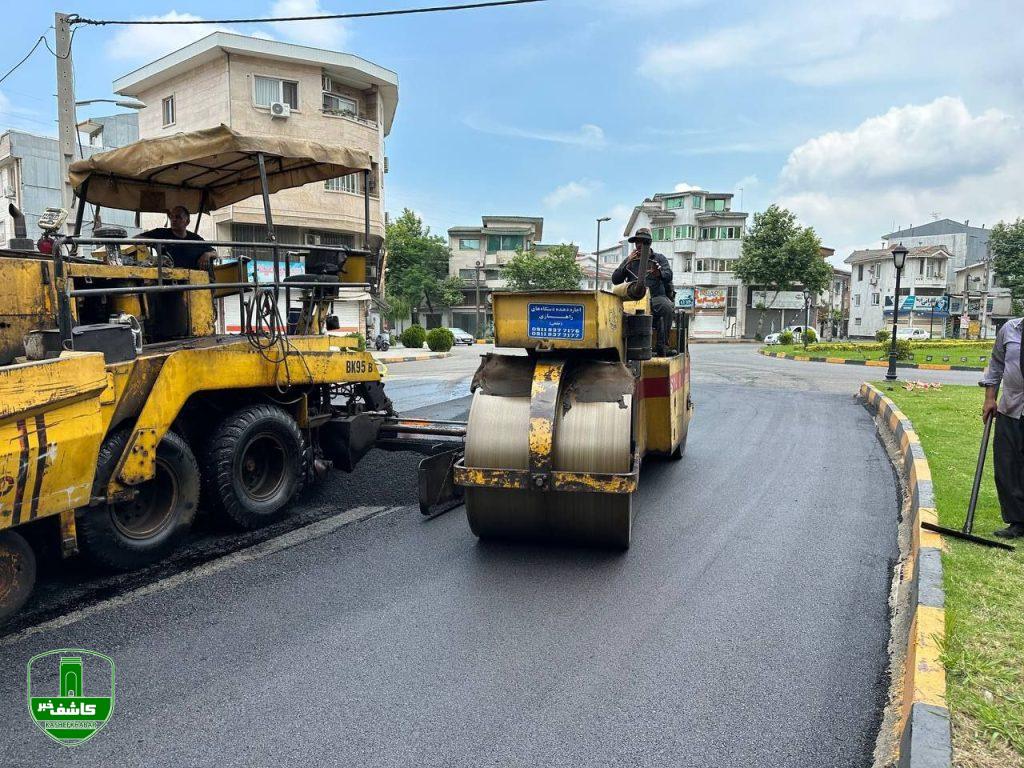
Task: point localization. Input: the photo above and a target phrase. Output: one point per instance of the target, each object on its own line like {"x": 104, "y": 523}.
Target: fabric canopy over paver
{"x": 206, "y": 169}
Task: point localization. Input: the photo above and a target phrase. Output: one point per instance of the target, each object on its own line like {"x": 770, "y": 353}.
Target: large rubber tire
{"x": 17, "y": 573}
{"x": 141, "y": 531}
{"x": 256, "y": 462}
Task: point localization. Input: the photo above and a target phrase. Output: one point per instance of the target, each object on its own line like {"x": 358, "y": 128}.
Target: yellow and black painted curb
{"x": 870, "y": 363}
{"x": 412, "y": 358}
{"x": 923, "y": 736}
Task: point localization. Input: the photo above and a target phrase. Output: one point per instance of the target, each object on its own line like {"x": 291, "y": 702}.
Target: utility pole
{"x": 984, "y": 292}
{"x": 478, "y": 266}
{"x": 66, "y": 123}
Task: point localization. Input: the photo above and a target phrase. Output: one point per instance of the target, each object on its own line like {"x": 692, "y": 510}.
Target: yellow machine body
{"x": 556, "y": 438}
{"x": 55, "y": 413}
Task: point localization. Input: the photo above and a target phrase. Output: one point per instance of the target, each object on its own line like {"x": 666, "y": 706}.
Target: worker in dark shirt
{"x": 1004, "y": 379}
{"x": 659, "y": 285}
{"x": 187, "y": 255}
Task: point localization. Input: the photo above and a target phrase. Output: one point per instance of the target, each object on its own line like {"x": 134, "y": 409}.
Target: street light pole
{"x": 478, "y": 266}
{"x": 807, "y": 315}
{"x": 597, "y": 255}
{"x": 899, "y": 258}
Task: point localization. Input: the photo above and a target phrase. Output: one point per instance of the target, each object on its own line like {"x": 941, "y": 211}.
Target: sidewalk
{"x": 403, "y": 355}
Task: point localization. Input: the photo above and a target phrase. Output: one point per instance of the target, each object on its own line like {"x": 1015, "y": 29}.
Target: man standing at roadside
{"x": 1004, "y": 371}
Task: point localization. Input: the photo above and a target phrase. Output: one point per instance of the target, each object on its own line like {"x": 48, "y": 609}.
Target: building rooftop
{"x": 877, "y": 254}
{"x": 938, "y": 227}
{"x": 505, "y": 224}
{"x": 350, "y": 69}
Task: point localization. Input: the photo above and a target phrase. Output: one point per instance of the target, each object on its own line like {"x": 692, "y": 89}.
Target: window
{"x": 728, "y": 233}
{"x": 685, "y": 265}
{"x": 469, "y": 243}
{"x": 168, "y": 111}
{"x": 856, "y": 299}
{"x": 348, "y": 183}
{"x": 709, "y": 233}
{"x": 267, "y": 90}
{"x": 675, "y": 202}
{"x": 497, "y": 243}
{"x": 467, "y": 274}
{"x": 920, "y": 266}
{"x": 875, "y": 297}
{"x": 684, "y": 231}
{"x": 661, "y": 233}
{"x": 856, "y": 321}
{"x": 860, "y": 273}
{"x": 698, "y": 202}
{"x": 339, "y": 105}
{"x": 730, "y": 301}
{"x": 715, "y": 205}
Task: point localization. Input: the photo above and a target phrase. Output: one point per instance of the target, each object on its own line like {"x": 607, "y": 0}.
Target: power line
{"x": 9, "y": 72}
{"x": 362, "y": 15}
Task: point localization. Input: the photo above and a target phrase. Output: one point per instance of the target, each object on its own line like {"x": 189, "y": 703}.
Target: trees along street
{"x": 778, "y": 254}
{"x": 417, "y": 268}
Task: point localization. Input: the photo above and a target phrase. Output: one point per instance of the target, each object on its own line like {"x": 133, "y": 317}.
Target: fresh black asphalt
{"x": 747, "y": 626}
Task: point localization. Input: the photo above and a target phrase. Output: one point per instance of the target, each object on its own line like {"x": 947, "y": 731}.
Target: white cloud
{"x": 813, "y": 43}
{"x": 916, "y": 145}
{"x": 747, "y": 182}
{"x": 899, "y": 168}
{"x": 324, "y": 33}
{"x": 151, "y": 41}
{"x": 587, "y": 135}
{"x": 574, "y": 190}
{"x": 684, "y": 187}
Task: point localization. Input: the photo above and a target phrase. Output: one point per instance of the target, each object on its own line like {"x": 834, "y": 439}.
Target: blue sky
{"x": 858, "y": 118}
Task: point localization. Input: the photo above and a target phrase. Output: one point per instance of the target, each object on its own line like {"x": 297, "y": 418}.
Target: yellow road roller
{"x": 556, "y": 437}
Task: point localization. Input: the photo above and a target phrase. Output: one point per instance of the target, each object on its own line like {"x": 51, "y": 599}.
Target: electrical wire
{"x": 8, "y": 73}
{"x": 359, "y": 15}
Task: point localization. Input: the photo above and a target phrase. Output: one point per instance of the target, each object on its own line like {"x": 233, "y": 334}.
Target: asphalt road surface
{"x": 747, "y": 625}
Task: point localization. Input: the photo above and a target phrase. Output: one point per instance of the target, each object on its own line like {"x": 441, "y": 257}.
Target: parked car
{"x": 915, "y": 334}
{"x": 773, "y": 338}
{"x": 461, "y": 337}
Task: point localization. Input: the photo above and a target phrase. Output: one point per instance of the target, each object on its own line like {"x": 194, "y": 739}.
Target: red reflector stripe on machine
{"x": 661, "y": 386}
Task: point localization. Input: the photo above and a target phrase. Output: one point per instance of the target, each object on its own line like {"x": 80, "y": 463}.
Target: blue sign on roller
{"x": 556, "y": 321}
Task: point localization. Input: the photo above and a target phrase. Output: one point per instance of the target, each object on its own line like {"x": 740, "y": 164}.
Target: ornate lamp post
{"x": 899, "y": 258}
{"x": 807, "y": 315}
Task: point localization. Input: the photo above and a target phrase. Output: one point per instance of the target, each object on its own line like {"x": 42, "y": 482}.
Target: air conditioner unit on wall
{"x": 280, "y": 109}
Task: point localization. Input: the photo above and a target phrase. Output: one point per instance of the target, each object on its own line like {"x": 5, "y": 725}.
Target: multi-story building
{"x": 478, "y": 254}
{"x": 964, "y": 244}
{"x": 601, "y": 265}
{"x": 701, "y": 236}
{"x": 926, "y": 276}
{"x": 834, "y": 317}
{"x": 30, "y": 171}
{"x": 266, "y": 87}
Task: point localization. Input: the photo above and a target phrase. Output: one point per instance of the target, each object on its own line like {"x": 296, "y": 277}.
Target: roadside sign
{"x": 684, "y": 298}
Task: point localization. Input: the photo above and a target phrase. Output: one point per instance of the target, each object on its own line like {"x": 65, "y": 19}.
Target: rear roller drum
{"x": 17, "y": 573}
{"x": 589, "y": 519}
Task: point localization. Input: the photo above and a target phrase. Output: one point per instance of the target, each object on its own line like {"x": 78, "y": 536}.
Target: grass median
{"x": 984, "y": 651}
{"x": 954, "y": 352}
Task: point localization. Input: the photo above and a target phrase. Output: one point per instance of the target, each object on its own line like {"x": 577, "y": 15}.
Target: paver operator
{"x": 187, "y": 255}
{"x": 1004, "y": 372}
{"x": 659, "y": 284}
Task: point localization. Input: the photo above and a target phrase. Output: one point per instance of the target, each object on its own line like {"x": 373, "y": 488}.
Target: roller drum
{"x": 588, "y": 437}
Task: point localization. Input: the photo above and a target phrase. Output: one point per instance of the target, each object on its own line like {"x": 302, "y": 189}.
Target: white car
{"x": 773, "y": 338}
{"x": 915, "y": 334}
{"x": 461, "y": 337}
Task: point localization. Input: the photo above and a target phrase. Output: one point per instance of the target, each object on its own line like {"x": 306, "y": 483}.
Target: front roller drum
{"x": 588, "y": 519}
{"x": 17, "y": 573}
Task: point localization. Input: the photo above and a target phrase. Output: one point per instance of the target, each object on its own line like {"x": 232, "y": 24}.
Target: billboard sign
{"x": 684, "y": 297}
{"x": 777, "y": 299}
{"x": 710, "y": 298}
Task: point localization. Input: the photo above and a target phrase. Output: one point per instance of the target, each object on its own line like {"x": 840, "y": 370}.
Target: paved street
{"x": 747, "y": 626}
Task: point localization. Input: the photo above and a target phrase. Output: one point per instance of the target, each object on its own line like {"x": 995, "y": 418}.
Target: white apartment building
{"x": 926, "y": 276}
{"x": 701, "y": 236}
{"x": 266, "y": 87}
{"x": 481, "y": 251}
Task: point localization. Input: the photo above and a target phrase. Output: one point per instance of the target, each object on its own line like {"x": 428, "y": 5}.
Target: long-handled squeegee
{"x": 965, "y": 532}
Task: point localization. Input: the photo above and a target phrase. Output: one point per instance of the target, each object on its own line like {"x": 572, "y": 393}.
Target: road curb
{"x": 869, "y": 363}
{"x": 412, "y": 358}
{"x": 923, "y": 734}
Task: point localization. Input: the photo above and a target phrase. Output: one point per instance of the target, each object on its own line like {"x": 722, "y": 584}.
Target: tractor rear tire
{"x": 256, "y": 464}
{"x": 135, "y": 533}
{"x": 17, "y": 573}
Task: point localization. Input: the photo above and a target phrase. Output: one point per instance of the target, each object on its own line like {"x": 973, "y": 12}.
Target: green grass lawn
{"x": 954, "y": 350}
{"x": 984, "y": 587}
